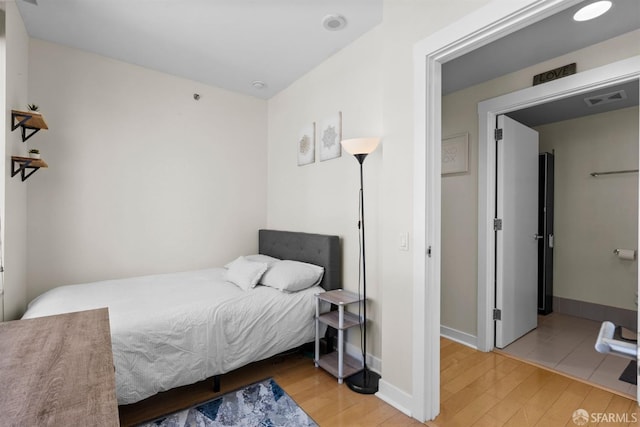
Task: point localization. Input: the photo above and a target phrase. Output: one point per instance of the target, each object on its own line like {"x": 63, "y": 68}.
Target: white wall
{"x": 370, "y": 81}
{"x": 142, "y": 178}
{"x": 593, "y": 216}
{"x": 405, "y": 22}
{"x": 323, "y": 197}
{"x": 460, "y": 193}
{"x": 14, "y": 208}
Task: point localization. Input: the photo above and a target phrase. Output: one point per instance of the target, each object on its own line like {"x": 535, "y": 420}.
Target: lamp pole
{"x": 361, "y": 158}
{"x": 365, "y": 381}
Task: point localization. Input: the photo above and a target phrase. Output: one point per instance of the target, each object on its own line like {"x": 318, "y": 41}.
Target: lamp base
{"x": 363, "y": 382}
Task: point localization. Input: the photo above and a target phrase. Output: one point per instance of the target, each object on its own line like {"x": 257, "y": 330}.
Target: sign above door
{"x": 555, "y": 74}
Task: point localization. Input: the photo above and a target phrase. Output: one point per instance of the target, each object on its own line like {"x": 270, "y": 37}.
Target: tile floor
{"x": 566, "y": 344}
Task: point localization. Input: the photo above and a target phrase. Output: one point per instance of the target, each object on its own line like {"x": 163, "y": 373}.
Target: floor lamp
{"x": 365, "y": 381}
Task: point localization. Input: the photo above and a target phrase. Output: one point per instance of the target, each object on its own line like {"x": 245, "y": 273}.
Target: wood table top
{"x": 58, "y": 371}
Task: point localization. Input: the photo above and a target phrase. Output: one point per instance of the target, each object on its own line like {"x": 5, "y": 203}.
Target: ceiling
{"x": 554, "y": 36}
{"x": 232, "y": 43}
{"x": 223, "y": 43}
{"x": 575, "y": 106}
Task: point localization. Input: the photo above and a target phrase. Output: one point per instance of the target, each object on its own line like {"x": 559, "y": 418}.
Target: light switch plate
{"x": 404, "y": 241}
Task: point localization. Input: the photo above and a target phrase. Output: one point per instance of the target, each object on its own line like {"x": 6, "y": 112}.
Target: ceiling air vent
{"x": 606, "y": 98}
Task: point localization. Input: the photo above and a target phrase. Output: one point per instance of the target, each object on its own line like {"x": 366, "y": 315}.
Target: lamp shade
{"x": 360, "y": 145}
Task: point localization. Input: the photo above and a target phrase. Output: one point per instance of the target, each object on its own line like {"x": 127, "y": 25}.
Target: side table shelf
{"x": 337, "y": 363}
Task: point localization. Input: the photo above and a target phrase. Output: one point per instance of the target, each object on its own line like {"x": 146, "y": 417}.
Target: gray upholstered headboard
{"x": 316, "y": 249}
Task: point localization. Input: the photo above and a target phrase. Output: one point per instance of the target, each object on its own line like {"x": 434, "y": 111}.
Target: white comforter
{"x": 176, "y": 329}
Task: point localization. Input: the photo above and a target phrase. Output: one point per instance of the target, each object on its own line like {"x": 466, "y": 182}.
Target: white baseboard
{"x": 395, "y": 397}
{"x": 374, "y": 363}
{"x": 386, "y": 392}
{"x": 459, "y": 337}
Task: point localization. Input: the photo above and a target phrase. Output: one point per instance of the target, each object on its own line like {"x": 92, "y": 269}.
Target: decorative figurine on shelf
{"x": 34, "y": 153}
{"x": 33, "y": 108}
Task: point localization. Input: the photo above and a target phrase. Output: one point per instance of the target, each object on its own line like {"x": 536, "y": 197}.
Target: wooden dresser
{"x": 58, "y": 371}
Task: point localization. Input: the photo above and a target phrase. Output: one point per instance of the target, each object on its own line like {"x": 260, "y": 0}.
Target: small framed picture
{"x": 455, "y": 154}
{"x": 307, "y": 145}
{"x": 330, "y": 137}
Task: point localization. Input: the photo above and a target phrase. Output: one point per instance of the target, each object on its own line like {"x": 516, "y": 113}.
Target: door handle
{"x": 538, "y": 236}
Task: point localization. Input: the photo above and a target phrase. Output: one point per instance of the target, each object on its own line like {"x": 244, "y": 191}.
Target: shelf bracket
{"x": 24, "y": 133}
{"x": 23, "y": 165}
{"x": 15, "y": 115}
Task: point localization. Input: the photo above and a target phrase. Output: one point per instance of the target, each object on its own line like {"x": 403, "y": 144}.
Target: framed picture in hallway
{"x": 455, "y": 154}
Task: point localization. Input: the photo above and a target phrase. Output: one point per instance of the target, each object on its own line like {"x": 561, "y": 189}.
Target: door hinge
{"x": 429, "y": 251}
{"x": 497, "y": 314}
{"x": 497, "y": 134}
{"x": 497, "y": 224}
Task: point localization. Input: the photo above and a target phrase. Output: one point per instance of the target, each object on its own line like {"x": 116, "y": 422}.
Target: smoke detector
{"x": 606, "y": 98}
{"x": 334, "y": 22}
{"x": 258, "y": 84}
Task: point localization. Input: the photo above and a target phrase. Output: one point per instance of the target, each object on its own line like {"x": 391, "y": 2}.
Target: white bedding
{"x": 176, "y": 329}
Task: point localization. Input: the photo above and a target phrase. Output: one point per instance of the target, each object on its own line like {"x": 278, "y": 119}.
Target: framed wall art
{"x": 307, "y": 145}
{"x": 330, "y": 136}
{"x": 455, "y": 154}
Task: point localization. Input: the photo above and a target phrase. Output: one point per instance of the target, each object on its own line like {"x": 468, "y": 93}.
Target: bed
{"x": 176, "y": 329}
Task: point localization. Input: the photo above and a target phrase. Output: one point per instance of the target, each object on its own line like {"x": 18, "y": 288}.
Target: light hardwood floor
{"x": 477, "y": 389}
{"x": 493, "y": 390}
{"x": 316, "y": 391}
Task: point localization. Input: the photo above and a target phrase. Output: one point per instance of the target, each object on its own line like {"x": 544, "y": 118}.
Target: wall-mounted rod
{"x": 614, "y": 172}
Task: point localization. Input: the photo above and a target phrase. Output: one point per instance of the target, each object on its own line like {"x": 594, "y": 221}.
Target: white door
{"x": 516, "y": 243}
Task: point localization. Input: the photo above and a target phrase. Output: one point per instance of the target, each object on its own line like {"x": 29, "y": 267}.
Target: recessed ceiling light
{"x": 334, "y": 22}
{"x": 592, "y": 11}
{"x": 258, "y": 84}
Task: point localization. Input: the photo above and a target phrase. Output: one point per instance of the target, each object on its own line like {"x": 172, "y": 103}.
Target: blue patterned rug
{"x": 261, "y": 404}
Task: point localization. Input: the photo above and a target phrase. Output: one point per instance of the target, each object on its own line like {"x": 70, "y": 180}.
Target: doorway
{"x": 596, "y": 80}
{"x": 489, "y": 23}
{"x": 598, "y": 157}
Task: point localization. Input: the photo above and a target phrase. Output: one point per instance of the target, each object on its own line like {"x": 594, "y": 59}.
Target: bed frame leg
{"x": 216, "y": 383}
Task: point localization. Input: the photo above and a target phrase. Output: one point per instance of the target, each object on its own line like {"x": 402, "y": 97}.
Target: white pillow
{"x": 257, "y": 258}
{"x": 292, "y": 276}
{"x": 262, "y": 258}
{"x": 244, "y": 273}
